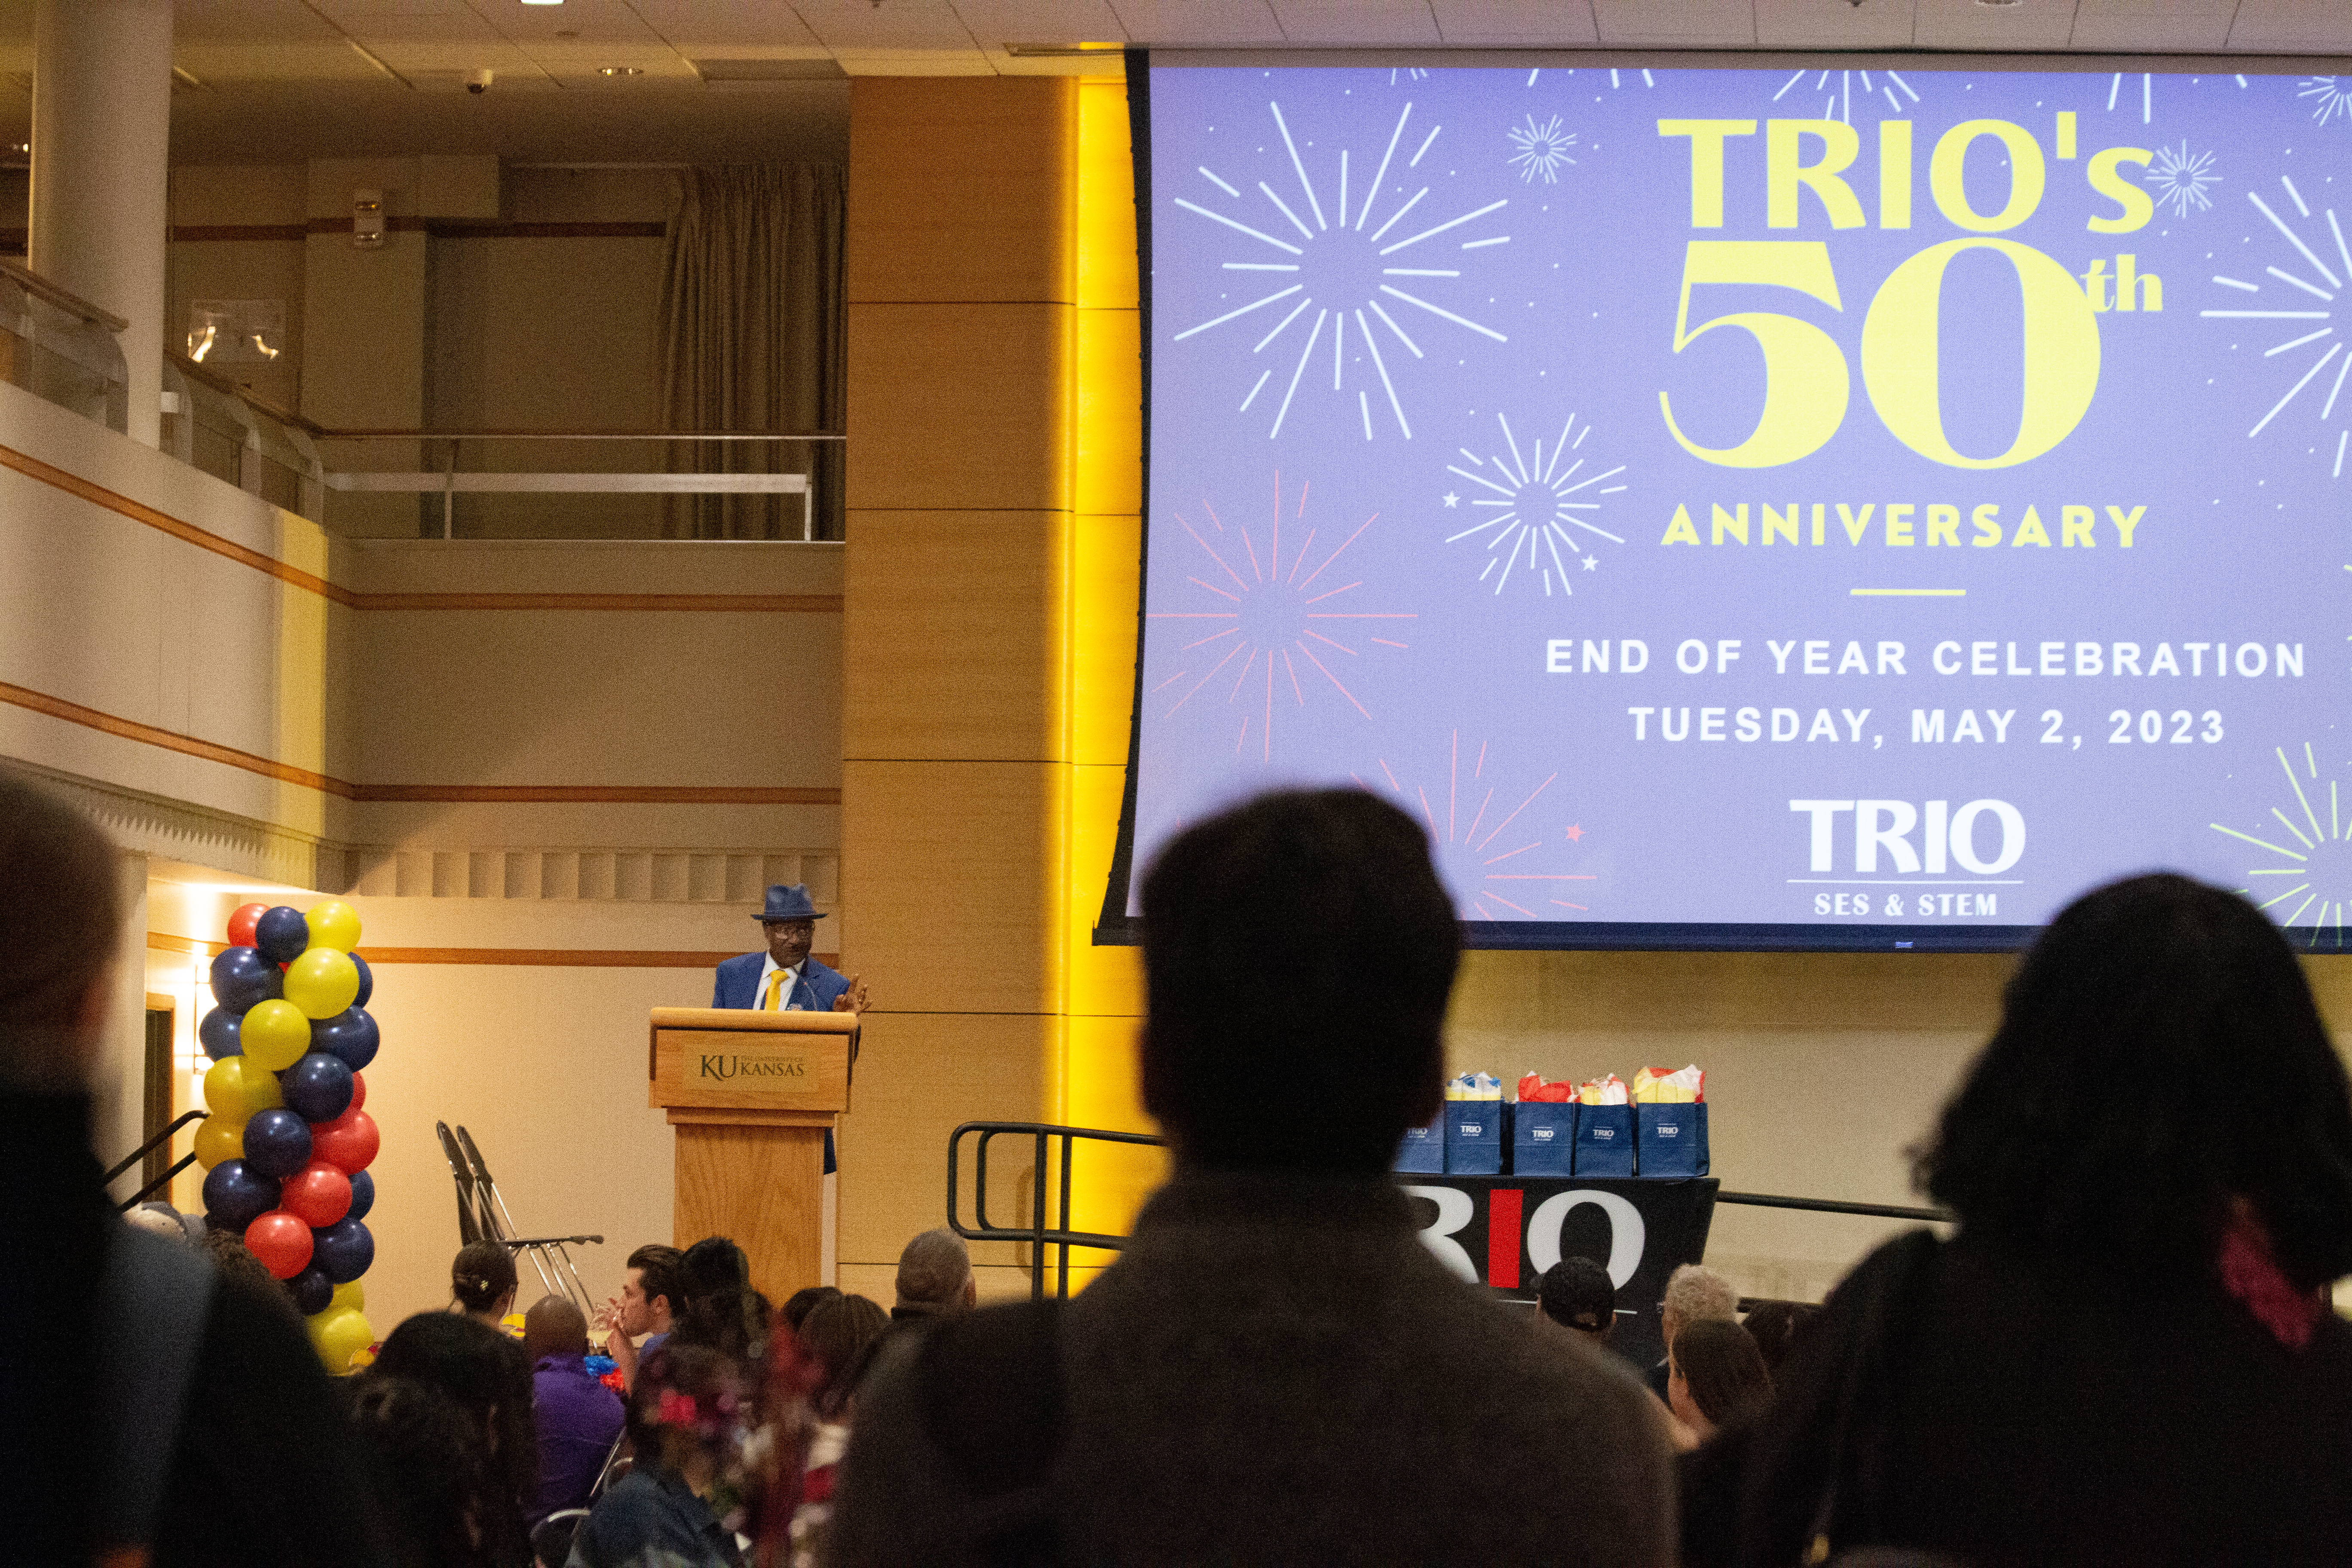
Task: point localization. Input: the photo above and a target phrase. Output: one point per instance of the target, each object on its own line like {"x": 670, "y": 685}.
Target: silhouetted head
{"x": 1299, "y": 951}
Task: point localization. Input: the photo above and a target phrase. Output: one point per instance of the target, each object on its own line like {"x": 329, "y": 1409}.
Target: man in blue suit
{"x": 785, "y": 978}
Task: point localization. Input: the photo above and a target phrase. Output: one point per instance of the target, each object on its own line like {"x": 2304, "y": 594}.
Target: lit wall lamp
{"x": 367, "y": 219}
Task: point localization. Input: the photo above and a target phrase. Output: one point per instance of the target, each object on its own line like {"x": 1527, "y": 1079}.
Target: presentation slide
{"x": 1756, "y": 508}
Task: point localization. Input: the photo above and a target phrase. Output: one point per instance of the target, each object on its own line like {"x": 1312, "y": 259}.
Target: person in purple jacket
{"x": 576, "y": 1418}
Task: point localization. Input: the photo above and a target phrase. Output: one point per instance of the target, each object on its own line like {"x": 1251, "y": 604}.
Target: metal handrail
{"x": 153, "y": 1144}
{"x": 1040, "y": 1236}
{"x": 157, "y": 1185}
{"x": 40, "y": 287}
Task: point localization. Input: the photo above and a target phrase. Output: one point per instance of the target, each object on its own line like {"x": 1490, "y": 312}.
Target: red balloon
{"x": 318, "y": 1194}
{"x": 359, "y": 1092}
{"x": 348, "y": 1142}
{"x": 241, "y": 924}
{"x": 281, "y": 1241}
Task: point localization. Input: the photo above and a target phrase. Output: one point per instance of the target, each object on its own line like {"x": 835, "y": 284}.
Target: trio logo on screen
{"x": 1947, "y": 839}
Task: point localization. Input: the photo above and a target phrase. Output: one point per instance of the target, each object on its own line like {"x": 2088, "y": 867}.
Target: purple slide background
{"x": 1319, "y": 610}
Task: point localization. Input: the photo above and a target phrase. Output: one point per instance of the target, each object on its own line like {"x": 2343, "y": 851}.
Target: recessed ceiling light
{"x": 1999, "y": 4}
{"x": 620, "y": 70}
{"x": 543, "y": 2}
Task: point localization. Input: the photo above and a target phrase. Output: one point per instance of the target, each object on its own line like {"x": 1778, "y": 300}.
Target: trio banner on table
{"x": 1759, "y": 507}
{"x": 1505, "y": 1231}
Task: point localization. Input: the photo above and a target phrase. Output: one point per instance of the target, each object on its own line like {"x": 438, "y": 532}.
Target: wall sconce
{"x": 367, "y": 219}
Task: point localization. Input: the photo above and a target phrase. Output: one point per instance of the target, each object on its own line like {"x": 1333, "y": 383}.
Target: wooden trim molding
{"x": 501, "y": 957}
{"x": 74, "y": 485}
{"x": 505, "y": 795}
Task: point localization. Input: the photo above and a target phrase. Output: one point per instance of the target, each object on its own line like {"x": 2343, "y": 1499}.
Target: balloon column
{"x": 286, "y": 1147}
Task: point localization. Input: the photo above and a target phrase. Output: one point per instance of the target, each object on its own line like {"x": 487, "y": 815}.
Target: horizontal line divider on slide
{"x": 501, "y": 957}
{"x": 506, "y": 795}
{"x": 189, "y": 533}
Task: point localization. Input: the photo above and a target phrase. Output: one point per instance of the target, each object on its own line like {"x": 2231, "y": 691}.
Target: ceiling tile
{"x": 2304, "y": 26}
{"x": 2151, "y": 26}
{"x": 1355, "y": 23}
{"x": 326, "y": 61}
{"x": 1207, "y": 24}
{"x": 1833, "y": 24}
{"x": 700, "y": 28}
{"x": 922, "y": 24}
{"x": 1517, "y": 23}
{"x": 1966, "y": 25}
{"x": 608, "y": 21}
{"x": 247, "y": 21}
{"x": 994, "y": 23}
{"x": 1678, "y": 23}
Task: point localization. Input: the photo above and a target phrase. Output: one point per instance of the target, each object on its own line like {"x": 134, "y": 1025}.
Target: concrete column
{"x": 101, "y": 164}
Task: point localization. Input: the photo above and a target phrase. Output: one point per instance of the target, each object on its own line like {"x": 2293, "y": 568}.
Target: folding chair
{"x": 548, "y": 1254}
{"x": 469, "y": 1220}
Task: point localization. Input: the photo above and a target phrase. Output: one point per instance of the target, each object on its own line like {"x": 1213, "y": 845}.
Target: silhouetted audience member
{"x": 839, "y": 1333}
{"x": 1275, "y": 1369}
{"x": 2128, "y": 1340}
{"x": 685, "y": 1416}
{"x": 722, "y": 1312}
{"x": 575, "y": 1419}
{"x": 935, "y": 1278}
{"x": 1694, "y": 1294}
{"x": 156, "y": 1410}
{"x": 1777, "y": 1325}
{"x": 489, "y": 1377}
{"x": 648, "y": 1305}
{"x": 1719, "y": 1377}
{"x": 801, "y": 1302}
{"x": 482, "y": 1282}
{"x": 1576, "y": 1293}
{"x": 227, "y": 1250}
{"x": 431, "y": 1470}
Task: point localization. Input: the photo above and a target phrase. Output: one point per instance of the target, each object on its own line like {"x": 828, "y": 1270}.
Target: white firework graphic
{"x": 1496, "y": 845}
{"x": 2180, "y": 178}
{"x": 1542, "y": 149}
{"x": 1289, "y": 625}
{"x": 1341, "y": 267}
{"x": 2311, "y": 325}
{"x": 1406, "y": 73}
{"x": 1527, "y": 529}
{"x": 1838, "y": 100}
{"x": 2314, "y": 873}
{"x": 2330, "y": 97}
{"x": 2147, "y": 96}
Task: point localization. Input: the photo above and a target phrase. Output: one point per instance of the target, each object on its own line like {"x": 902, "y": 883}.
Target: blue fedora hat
{"x": 790, "y": 903}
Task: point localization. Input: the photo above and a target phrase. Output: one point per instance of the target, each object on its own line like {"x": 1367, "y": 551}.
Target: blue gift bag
{"x": 1422, "y": 1150}
{"x": 1543, "y": 1138}
{"x": 1475, "y": 1139}
{"x": 1604, "y": 1140}
{"x": 1672, "y": 1139}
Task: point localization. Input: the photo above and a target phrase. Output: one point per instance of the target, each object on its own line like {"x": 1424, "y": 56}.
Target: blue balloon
{"x": 217, "y": 1034}
{"x": 318, "y": 1087}
{"x": 236, "y": 1194}
{"x": 351, "y": 1035}
{"x": 241, "y": 977}
{"x": 312, "y": 1290}
{"x": 362, "y": 1195}
{"x": 281, "y": 934}
{"x": 367, "y": 981}
{"x": 277, "y": 1142}
{"x": 344, "y": 1251}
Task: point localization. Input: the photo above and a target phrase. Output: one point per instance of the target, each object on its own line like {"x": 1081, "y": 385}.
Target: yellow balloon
{"x": 236, "y": 1087}
{"x": 349, "y": 1296}
{"x": 337, "y": 1334}
{"x": 321, "y": 982}
{"x": 220, "y": 1138}
{"x": 275, "y": 1033}
{"x": 334, "y": 924}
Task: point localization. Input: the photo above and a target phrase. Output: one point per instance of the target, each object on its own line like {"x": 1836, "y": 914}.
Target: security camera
{"x": 478, "y": 81}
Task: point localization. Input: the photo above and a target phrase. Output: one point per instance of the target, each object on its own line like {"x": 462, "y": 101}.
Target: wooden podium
{"x": 752, "y": 1095}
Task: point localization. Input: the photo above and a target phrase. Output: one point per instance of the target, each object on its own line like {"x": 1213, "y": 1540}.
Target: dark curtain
{"x": 751, "y": 332}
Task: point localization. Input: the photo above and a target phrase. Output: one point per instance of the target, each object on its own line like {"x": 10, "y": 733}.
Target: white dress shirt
{"x": 768, "y": 966}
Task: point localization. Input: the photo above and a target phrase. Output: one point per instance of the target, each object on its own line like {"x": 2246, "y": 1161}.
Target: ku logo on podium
{"x": 723, "y": 1067}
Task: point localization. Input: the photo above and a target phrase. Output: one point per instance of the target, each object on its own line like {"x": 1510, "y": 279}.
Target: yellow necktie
{"x": 775, "y": 1002}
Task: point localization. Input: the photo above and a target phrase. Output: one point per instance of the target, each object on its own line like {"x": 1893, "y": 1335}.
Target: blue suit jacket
{"x": 738, "y": 985}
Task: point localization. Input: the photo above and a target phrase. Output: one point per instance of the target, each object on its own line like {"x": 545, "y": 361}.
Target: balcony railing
{"x": 543, "y": 483}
